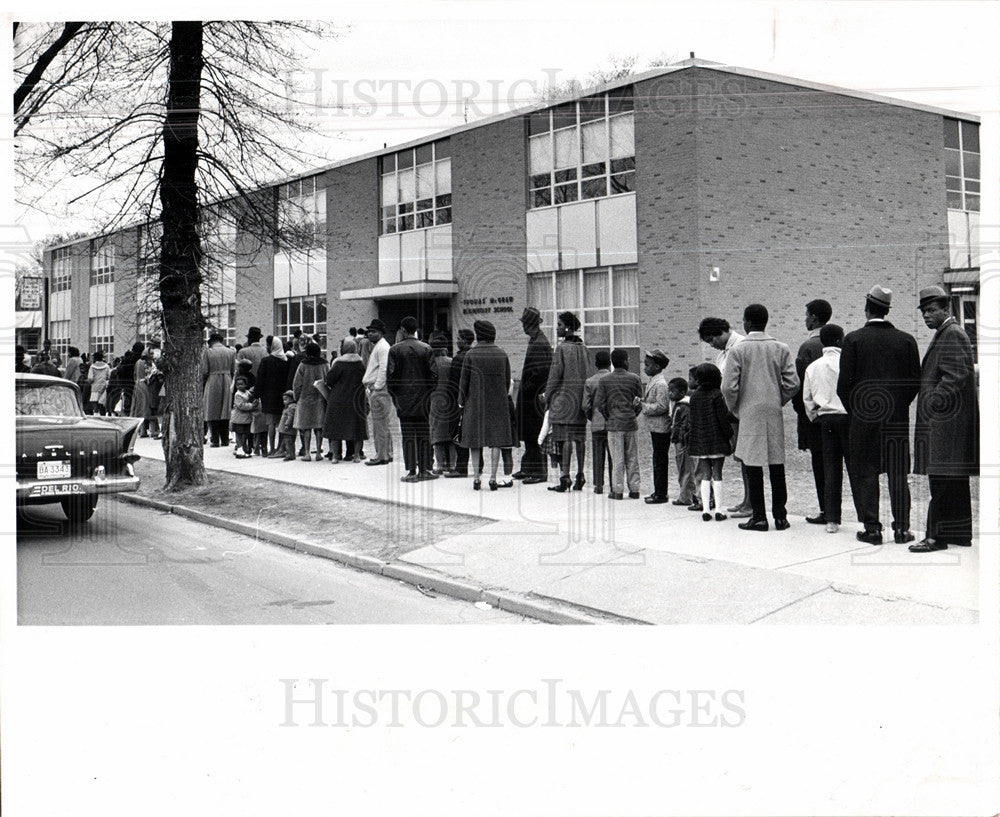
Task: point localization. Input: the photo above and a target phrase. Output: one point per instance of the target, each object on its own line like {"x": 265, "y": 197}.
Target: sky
{"x": 399, "y": 71}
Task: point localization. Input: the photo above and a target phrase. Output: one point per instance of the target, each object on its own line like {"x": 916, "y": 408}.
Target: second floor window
{"x": 416, "y": 188}
{"x": 62, "y": 270}
{"x": 102, "y": 265}
{"x": 582, "y": 150}
{"x": 961, "y": 156}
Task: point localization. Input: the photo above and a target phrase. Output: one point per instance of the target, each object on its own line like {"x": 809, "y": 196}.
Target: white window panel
{"x": 595, "y": 141}
{"x": 412, "y": 260}
{"x": 425, "y": 181}
{"x": 317, "y": 272}
{"x": 388, "y": 259}
{"x": 282, "y": 273}
{"x": 617, "y": 233}
{"x": 298, "y": 279}
{"x": 973, "y": 239}
{"x": 439, "y": 265}
{"x": 578, "y": 235}
{"x": 407, "y": 191}
{"x": 102, "y": 300}
{"x": 958, "y": 239}
{"x": 390, "y": 193}
{"x": 542, "y": 228}
{"x": 567, "y": 148}
{"x": 59, "y": 309}
{"x": 443, "y": 170}
{"x": 540, "y": 150}
{"x": 622, "y": 136}
{"x": 229, "y": 285}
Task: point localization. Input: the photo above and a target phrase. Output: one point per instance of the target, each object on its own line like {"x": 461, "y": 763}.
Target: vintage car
{"x": 64, "y": 455}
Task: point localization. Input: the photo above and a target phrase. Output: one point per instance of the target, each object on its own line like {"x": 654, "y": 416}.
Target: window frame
{"x": 284, "y": 329}
{"x": 415, "y": 213}
{"x": 105, "y": 341}
{"x": 960, "y": 184}
{"x": 62, "y": 270}
{"x": 102, "y": 263}
{"x": 576, "y": 183}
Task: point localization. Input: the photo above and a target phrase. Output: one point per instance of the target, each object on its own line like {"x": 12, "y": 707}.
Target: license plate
{"x": 54, "y": 470}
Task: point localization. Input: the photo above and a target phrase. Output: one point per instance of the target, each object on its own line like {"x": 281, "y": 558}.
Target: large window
{"x": 961, "y": 155}
{"x": 605, "y": 299}
{"x": 221, "y": 318}
{"x": 582, "y": 150}
{"x": 102, "y": 336}
{"x": 62, "y": 270}
{"x": 59, "y": 335}
{"x": 307, "y": 314}
{"x": 416, "y": 188}
{"x": 102, "y": 264}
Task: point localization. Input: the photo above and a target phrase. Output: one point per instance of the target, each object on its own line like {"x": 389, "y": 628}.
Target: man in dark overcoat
{"x": 946, "y": 438}
{"x": 410, "y": 380}
{"x": 818, "y": 314}
{"x": 879, "y": 377}
{"x": 529, "y": 410}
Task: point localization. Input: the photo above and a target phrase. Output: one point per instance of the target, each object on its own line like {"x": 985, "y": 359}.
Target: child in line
{"x": 708, "y": 439}
{"x": 286, "y": 426}
{"x": 619, "y": 399}
{"x": 549, "y": 446}
{"x": 680, "y": 429}
{"x": 244, "y": 405}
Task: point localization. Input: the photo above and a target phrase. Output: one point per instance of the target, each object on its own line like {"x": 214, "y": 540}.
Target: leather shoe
{"x": 456, "y": 475}
{"x": 901, "y": 537}
{"x": 377, "y": 462}
{"x": 614, "y": 495}
{"x": 927, "y": 546}
{"x": 741, "y": 514}
{"x": 533, "y": 480}
{"x": 781, "y": 524}
{"x": 750, "y": 524}
{"x": 633, "y": 494}
{"x": 655, "y": 499}
{"x": 409, "y": 478}
{"x": 518, "y": 475}
{"x": 819, "y": 519}
{"x": 683, "y": 502}
{"x": 423, "y": 476}
{"x": 872, "y": 537}
{"x": 695, "y": 506}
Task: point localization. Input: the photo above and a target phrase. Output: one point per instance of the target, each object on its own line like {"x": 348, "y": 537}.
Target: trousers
{"x": 779, "y": 492}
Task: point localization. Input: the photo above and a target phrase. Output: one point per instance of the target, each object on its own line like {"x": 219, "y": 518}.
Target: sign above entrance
{"x": 485, "y": 306}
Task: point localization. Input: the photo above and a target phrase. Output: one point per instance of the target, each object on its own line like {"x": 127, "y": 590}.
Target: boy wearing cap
{"x": 879, "y": 377}
{"x": 654, "y": 405}
{"x": 286, "y": 427}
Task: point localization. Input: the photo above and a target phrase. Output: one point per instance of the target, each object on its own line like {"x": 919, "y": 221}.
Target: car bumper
{"x": 32, "y": 492}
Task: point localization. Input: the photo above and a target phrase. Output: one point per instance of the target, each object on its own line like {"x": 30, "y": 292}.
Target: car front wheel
{"x": 79, "y": 509}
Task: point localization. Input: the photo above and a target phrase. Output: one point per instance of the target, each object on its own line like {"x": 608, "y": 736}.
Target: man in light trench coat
{"x": 760, "y": 378}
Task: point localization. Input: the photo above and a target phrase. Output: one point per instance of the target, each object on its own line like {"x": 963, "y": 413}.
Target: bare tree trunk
{"x": 180, "y": 260}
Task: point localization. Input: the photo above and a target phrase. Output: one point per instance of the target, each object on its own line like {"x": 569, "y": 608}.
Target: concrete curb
{"x": 541, "y": 608}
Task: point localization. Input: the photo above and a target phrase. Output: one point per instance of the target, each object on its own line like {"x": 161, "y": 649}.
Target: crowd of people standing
{"x": 852, "y": 393}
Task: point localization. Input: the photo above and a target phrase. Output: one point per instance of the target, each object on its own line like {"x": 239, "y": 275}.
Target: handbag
{"x": 320, "y": 386}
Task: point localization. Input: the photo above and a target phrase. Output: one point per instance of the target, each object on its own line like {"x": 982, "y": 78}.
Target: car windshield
{"x": 48, "y": 400}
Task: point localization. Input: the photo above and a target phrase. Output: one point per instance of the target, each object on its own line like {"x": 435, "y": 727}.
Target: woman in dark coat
{"x": 564, "y": 398}
{"x": 311, "y": 407}
{"x": 272, "y": 377}
{"x": 483, "y": 396}
{"x": 346, "y": 404}
{"x": 443, "y": 406}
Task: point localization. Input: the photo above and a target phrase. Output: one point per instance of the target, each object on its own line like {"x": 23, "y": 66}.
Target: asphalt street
{"x": 134, "y": 566}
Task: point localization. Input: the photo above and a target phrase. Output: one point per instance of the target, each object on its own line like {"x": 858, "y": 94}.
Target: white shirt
{"x": 375, "y": 373}
{"x": 723, "y": 355}
{"x": 819, "y": 385}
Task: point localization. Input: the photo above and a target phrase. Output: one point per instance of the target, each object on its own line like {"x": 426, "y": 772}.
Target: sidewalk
{"x": 656, "y": 563}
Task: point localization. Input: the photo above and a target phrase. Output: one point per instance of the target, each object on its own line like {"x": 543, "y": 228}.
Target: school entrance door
{"x": 432, "y": 314}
